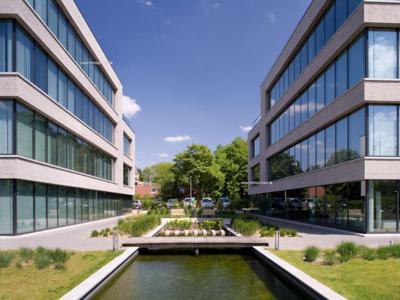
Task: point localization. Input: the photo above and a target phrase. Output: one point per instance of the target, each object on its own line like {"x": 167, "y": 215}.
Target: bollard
{"x": 115, "y": 239}
{"x": 276, "y": 236}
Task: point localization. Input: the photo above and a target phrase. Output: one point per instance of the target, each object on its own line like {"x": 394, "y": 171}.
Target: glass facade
{"x": 345, "y": 72}
{"x": 38, "y": 138}
{"x": 330, "y": 21}
{"x": 127, "y": 172}
{"x": 327, "y": 147}
{"x": 57, "y": 21}
{"x": 29, "y": 59}
{"x": 255, "y": 173}
{"x": 41, "y": 206}
{"x": 255, "y": 146}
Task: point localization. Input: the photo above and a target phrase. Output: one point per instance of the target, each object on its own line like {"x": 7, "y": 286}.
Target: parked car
{"x": 296, "y": 204}
{"x": 189, "y": 201}
{"x": 171, "y": 203}
{"x": 225, "y": 202}
{"x": 207, "y": 203}
{"x": 136, "y": 204}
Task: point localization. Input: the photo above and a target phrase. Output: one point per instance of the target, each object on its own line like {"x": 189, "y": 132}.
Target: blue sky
{"x": 194, "y": 67}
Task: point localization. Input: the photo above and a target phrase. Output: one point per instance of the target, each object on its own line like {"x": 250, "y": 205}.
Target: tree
{"x": 161, "y": 173}
{"x": 232, "y": 160}
{"x": 197, "y": 162}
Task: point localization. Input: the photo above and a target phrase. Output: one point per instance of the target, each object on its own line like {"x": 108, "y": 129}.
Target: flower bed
{"x": 193, "y": 228}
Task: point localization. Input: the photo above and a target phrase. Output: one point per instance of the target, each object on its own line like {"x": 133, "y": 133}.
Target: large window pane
{"x": 78, "y": 206}
{"x": 320, "y": 36}
{"x": 330, "y": 145}
{"x": 62, "y": 30}
{"x": 52, "y": 143}
{"x": 330, "y": 23}
{"x": 356, "y": 207}
{"x": 304, "y": 155}
{"x": 330, "y": 84}
{"x": 52, "y": 205}
{"x": 53, "y": 16}
{"x": 303, "y": 107}
{"x": 71, "y": 96}
{"x": 62, "y": 146}
{"x": 382, "y": 53}
{"x": 6, "y": 53}
{"x": 40, "y": 137}
{"x": 52, "y": 78}
{"x": 62, "y": 88}
{"x": 311, "y": 97}
{"x": 6, "y": 127}
{"x": 6, "y": 207}
{"x": 40, "y": 206}
{"x": 382, "y": 206}
{"x": 71, "y": 206}
{"x": 320, "y": 149}
{"x": 71, "y": 40}
{"x": 24, "y": 54}
{"x": 41, "y": 68}
{"x": 357, "y": 134}
{"x": 25, "y": 121}
{"x": 356, "y": 61}
{"x": 41, "y": 9}
{"x": 341, "y": 141}
{"x": 341, "y": 205}
{"x": 62, "y": 206}
{"x": 24, "y": 206}
{"x": 341, "y": 74}
{"x": 312, "y": 154}
{"x": 311, "y": 46}
{"x": 320, "y": 92}
{"x": 341, "y": 12}
{"x": 382, "y": 130}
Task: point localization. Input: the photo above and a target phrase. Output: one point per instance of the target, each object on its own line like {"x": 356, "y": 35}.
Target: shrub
{"x": 384, "y": 252}
{"x": 267, "y": 231}
{"x": 330, "y": 258}
{"x": 139, "y": 226}
{"x": 179, "y": 224}
{"x": 395, "y": 250}
{"x": 211, "y": 225}
{"x": 59, "y": 257}
{"x": 311, "y": 254}
{"x": 246, "y": 227}
{"x": 26, "y": 254}
{"x": 18, "y": 264}
{"x": 42, "y": 260}
{"x": 94, "y": 233}
{"x": 291, "y": 232}
{"x": 347, "y": 251}
{"x": 282, "y": 232}
{"x": 367, "y": 253}
{"x": 5, "y": 259}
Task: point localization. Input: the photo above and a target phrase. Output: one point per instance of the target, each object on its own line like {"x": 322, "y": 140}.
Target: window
{"x": 62, "y": 88}
{"x": 382, "y": 130}
{"x": 320, "y": 92}
{"x": 40, "y": 206}
{"x": 40, "y": 69}
{"x": 71, "y": 206}
{"x": 25, "y": 121}
{"x": 304, "y": 155}
{"x": 341, "y": 74}
{"x": 6, "y": 46}
{"x": 62, "y": 206}
{"x": 312, "y": 155}
{"x": 330, "y": 23}
{"x": 303, "y": 57}
{"x": 62, "y": 146}
{"x": 330, "y": 84}
{"x": 356, "y": 59}
{"x": 357, "y": 134}
{"x": 303, "y": 107}
{"x": 40, "y": 137}
{"x": 24, "y": 53}
{"x": 255, "y": 173}
{"x": 6, "y": 206}
{"x": 52, "y": 143}
{"x": 6, "y": 127}
{"x": 71, "y": 97}
{"x": 52, "y": 206}
{"x": 341, "y": 154}
{"x": 52, "y": 80}
{"x": 330, "y": 145}
{"x": 41, "y": 8}
{"x": 127, "y": 144}
{"x": 52, "y": 16}
{"x": 126, "y": 175}
{"x": 255, "y": 146}
{"x": 24, "y": 207}
{"x": 320, "y": 36}
{"x": 341, "y": 12}
{"x": 311, "y": 47}
{"x": 62, "y": 30}
{"x": 71, "y": 40}
{"x": 382, "y": 53}
{"x": 311, "y": 97}
{"x": 320, "y": 140}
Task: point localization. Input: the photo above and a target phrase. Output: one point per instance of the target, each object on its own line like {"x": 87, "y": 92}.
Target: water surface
{"x": 207, "y": 276}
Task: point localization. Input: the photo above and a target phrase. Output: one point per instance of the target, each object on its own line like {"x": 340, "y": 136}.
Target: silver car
{"x": 207, "y": 203}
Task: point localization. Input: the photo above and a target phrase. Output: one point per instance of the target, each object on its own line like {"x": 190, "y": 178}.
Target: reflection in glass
{"x": 382, "y": 53}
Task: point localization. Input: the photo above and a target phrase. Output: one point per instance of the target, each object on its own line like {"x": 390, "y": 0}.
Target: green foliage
{"x": 42, "y": 260}
{"x": 94, "y": 233}
{"x": 282, "y": 232}
{"x": 179, "y": 224}
{"x": 211, "y": 225}
{"x": 384, "y": 252}
{"x": 367, "y": 253}
{"x": 147, "y": 203}
{"x": 311, "y": 253}
{"x": 59, "y": 257}
{"x": 347, "y": 251}
{"x": 5, "y": 259}
{"x": 232, "y": 161}
{"x": 18, "y": 264}
{"x": 160, "y": 211}
{"x": 330, "y": 258}
{"x": 161, "y": 173}
{"x": 246, "y": 227}
{"x": 140, "y": 225}
{"x": 267, "y": 231}
{"x": 26, "y": 254}
{"x": 198, "y": 163}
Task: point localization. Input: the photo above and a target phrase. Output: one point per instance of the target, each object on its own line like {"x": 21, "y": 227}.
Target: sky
{"x": 191, "y": 69}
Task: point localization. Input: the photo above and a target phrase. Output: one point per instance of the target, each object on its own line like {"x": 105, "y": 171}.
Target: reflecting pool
{"x": 207, "y": 276}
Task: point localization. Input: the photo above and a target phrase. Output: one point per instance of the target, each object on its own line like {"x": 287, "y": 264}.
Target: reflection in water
{"x": 208, "y": 276}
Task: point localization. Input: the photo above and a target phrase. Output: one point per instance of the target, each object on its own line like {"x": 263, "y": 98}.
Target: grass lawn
{"x": 30, "y": 283}
{"x": 356, "y": 279}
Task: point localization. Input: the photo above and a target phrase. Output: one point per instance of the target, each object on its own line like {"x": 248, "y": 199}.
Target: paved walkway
{"x": 323, "y": 237}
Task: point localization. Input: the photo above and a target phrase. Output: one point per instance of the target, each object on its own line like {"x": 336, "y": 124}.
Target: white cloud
{"x": 216, "y": 4}
{"x": 177, "y": 139}
{"x": 271, "y": 17}
{"x": 245, "y": 129}
{"x": 146, "y": 2}
{"x": 163, "y": 155}
{"x": 129, "y": 106}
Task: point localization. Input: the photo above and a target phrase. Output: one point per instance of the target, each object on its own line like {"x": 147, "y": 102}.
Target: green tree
{"x": 161, "y": 173}
{"x": 198, "y": 163}
{"x": 232, "y": 160}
